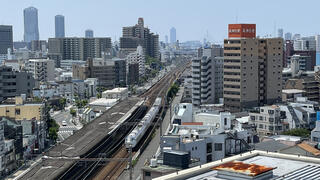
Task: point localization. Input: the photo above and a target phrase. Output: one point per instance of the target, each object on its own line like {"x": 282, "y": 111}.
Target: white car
{"x": 64, "y": 123}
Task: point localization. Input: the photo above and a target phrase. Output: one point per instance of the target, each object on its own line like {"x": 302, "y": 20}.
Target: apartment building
{"x": 137, "y": 57}
{"x": 252, "y": 69}
{"x": 14, "y": 83}
{"x": 269, "y": 120}
{"x": 309, "y": 84}
{"x": 138, "y": 35}
{"x": 42, "y": 69}
{"x": 207, "y": 76}
{"x": 100, "y": 68}
{"x": 77, "y": 48}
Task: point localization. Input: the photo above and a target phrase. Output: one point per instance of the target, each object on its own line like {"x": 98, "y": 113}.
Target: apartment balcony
{"x": 231, "y": 63}
{"x": 231, "y": 76}
{"x": 195, "y": 91}
{"x": 195, "y": 75}
{"x": 232, "y": 83}
{"x": 232, "y": 96}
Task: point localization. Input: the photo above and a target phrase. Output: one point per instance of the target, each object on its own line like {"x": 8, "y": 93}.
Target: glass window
{"x": 218, "y": 146}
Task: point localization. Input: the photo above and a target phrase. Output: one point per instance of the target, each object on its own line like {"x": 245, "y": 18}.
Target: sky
{"x": 193, "y": 19}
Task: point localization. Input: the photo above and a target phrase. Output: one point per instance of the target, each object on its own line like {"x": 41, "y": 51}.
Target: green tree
{"x": 62, "y": 103}
{"x": 73, "y": 112}
{"x": 298, "y": 132}
{"x": 52, "y": 126}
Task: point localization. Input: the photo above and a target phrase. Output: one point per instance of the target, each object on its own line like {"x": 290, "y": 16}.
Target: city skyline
{"x": 194, "y": 17}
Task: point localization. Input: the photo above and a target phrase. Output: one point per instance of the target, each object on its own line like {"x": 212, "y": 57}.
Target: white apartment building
{"x": 42, "y": 69}
{"x": 91, "y": 87}
{"x": 305, "y": 43}
{"x": 137, "y": 57}
{"x": 207, "y": 76}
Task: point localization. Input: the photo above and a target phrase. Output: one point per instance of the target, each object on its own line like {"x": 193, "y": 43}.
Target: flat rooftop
{"x": 292, "y": 91}
{"x": 83, "y": 140}
{"x": 284, "y": 167}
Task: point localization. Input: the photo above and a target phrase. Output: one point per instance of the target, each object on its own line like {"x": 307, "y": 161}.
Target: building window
{"x": 225, "y": 121}
{"x": 218, "y": 146}
{"x": 147, "y": 173}
{"x": 260, "y": 126}
{"x": 17, "y": 111}
{"x": 209, "y": 147}
{"x": 209, "y": 158}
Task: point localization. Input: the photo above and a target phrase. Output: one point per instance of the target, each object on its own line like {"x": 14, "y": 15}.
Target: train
{"x": 138, "y": 132}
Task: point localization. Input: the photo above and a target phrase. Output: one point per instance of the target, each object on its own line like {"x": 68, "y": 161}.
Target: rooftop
{"x": 115, "y": 90}
{"x": 103, "y": 102}
{"x": 283, "y": 166}
{"x": 243, "y": 168}
{"x": 292, "y": 91}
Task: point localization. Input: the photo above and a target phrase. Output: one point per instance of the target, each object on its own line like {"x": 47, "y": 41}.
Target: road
{"x": 65, "y": 131}
{"x": 154, "y": 144}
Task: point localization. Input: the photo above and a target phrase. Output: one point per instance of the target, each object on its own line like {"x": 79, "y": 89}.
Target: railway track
{"x": 114, "y": 169}
{"x": 113, "y": 145}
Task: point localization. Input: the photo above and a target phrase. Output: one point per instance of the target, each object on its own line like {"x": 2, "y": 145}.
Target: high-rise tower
{"x": 31, "y": 29}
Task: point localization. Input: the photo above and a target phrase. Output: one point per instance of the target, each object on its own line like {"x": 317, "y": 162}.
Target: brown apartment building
{"x": 252, "y": 69}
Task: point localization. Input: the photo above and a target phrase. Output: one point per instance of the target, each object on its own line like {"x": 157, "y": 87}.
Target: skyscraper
{"x": 166, "y": 39}
{"x": 173, "y": 35}
{"x": 89, "y": 33}
{"x": 280, "y": 33}
{"x": 6, "y": 40}
{"x": 288, "y": 36}
{"x": 59, "y": 26}
{"x": 252, "y": 69}
{"x": 31, "y": 29}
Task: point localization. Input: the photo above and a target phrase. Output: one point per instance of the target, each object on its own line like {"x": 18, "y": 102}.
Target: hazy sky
{"x": 192, "y": 18}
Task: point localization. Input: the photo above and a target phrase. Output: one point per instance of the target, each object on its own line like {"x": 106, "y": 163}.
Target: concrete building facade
{"x": 207, "y": 76}
{"x": 252, "y": 70}
{"x": 42, "y": 69}
{"x": 14, "y": 83}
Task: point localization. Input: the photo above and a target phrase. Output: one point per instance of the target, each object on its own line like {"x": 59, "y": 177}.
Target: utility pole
{"x": 130, "y": 161}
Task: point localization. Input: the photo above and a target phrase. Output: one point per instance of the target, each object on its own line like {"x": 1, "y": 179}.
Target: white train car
{"x": 137, "y": 133}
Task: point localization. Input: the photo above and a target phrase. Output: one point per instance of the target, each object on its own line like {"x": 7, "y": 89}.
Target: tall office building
{"x": 252, "y": 68}
{"x": 207, "y": 76}
{"x": 59, "y": 26}
{"x": 89, "y": 33}
{"x": 31, "y": 29}
{"x": 280, "y": 33}
{"x": 6, "y": 40}
{"x": 133, "y": 36}
{"x": 173, "y": 35}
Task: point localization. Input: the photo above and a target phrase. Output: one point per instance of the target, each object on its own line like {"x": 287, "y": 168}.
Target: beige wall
{"x": 26, "y": 111}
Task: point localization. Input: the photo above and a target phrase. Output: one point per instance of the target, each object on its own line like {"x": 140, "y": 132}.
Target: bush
{"x": 73, "y": 112}
{"x": 298, "y": 132}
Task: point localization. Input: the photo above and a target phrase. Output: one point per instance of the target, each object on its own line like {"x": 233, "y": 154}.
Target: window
{"x": 253, "y": 118}
{"x": 271, "y": 111}
{"x": 147, "y": 173}
{"x": 260, "y": 126}
{"x": 218, "y": 146}
{"x": 209, "y": 147}
{"x": 209, "y": 158}
{"x": 17, "y": 111}
{"x": 225, "y": 121}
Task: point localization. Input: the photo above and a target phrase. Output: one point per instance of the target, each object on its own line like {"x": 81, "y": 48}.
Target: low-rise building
{"x": 315, "y": 133}
{"x": 268, "y": 120}
{"x": 206, "y": 135}
{"x": 102, "y": 104}
{"x": 289, "y": 95}
{"x": 116, "y": 93}
{"x": 91, "y": 85}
